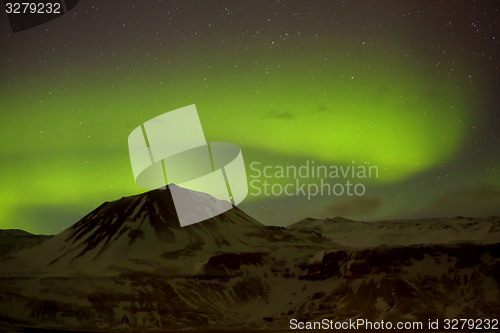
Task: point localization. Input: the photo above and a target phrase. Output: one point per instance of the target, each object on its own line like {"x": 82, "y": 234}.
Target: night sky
{"x": 409, "y": 87}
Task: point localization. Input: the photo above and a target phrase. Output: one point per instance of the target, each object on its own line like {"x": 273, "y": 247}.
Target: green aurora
{"x": 64, "y": 132}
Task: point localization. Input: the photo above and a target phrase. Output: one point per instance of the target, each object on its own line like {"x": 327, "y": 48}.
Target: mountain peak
{"x": 147, "y": 225}
{"x": 145, "y": 228}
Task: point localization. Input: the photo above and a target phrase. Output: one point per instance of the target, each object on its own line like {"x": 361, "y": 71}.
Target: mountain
{"x": 128, "y": 265}
{"x": 133, "y": 253}
{"x": 359, "y": 234}
{"x": 144, "y": 230}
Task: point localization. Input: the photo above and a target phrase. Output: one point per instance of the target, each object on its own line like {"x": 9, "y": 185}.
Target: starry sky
{"x": 409, "y": 87}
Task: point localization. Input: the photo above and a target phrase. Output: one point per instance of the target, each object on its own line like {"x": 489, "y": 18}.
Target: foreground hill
{"x": 12, "y": 240}
{"x": 128, "y": 265}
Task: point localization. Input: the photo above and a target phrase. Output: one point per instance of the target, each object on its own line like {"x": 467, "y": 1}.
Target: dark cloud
{"x": 279, "y": 115}
{"x": 476, "y": 201}
{"x": 322, "y": 108}
{"x": 268, "y": 212}
{"x": 354, "y": 207}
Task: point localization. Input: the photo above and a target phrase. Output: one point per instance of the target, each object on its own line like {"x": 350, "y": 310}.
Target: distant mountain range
{"x": 128, "y": 265}
{"x": 350, "y": 233}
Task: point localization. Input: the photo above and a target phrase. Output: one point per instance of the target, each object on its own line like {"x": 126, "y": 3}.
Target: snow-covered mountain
{"x": 128, "y": 265}
{"x": 143, "y": 230}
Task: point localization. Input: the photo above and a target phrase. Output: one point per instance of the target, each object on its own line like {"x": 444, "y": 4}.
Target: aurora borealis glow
{"x": 411, "y": 88}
